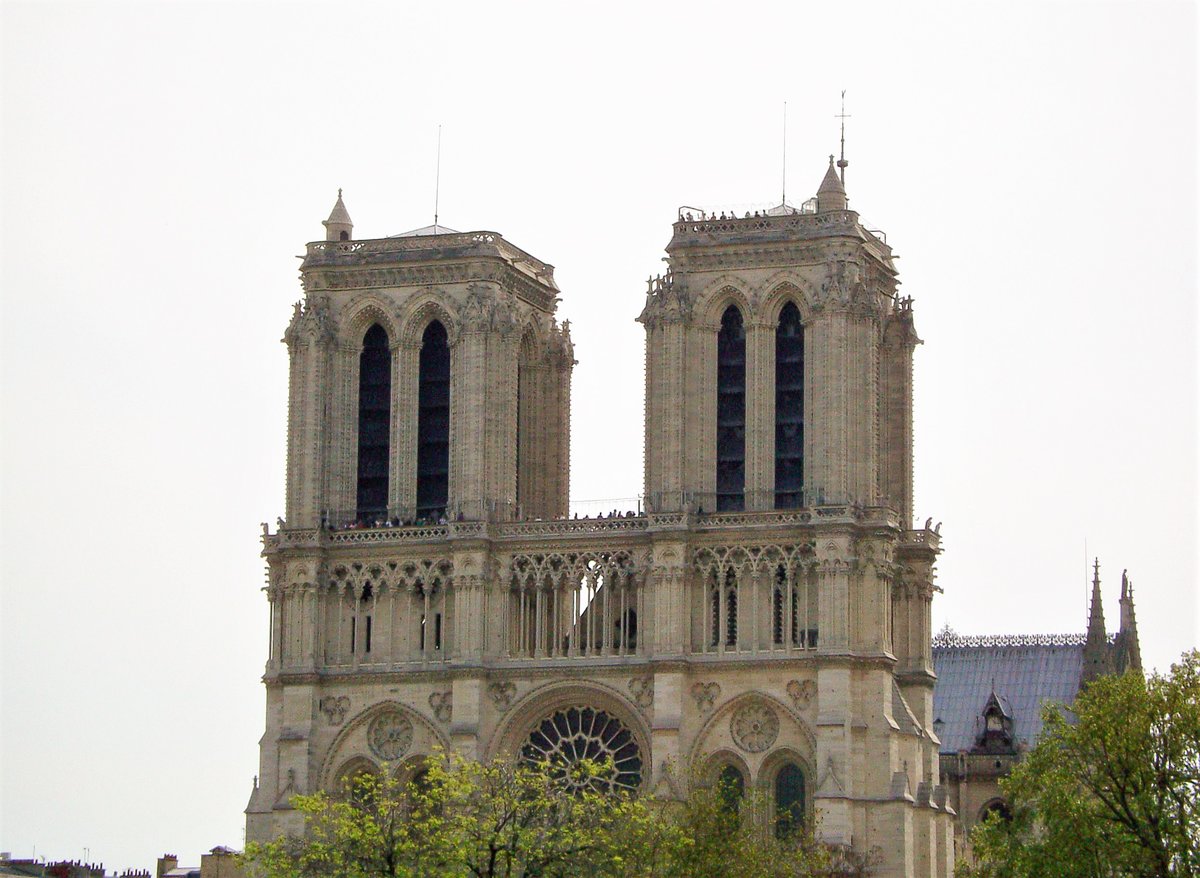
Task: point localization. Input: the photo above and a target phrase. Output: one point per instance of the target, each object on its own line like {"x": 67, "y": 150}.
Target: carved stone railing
{"x": 388, "y": 535}
{"x": 396, "y": 249}
{"x": 950, "y": 640}
{"x": 627, "y": 525}
{"x": 789, "y": 225}
{"x": 751, "y": 519}
{"x": 572, "y": 526}
{"x": 921, "y": 539}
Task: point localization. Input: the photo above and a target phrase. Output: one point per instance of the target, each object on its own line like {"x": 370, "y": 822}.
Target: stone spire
{"x": 339, "y": 226}
{"x": 1127, "y": 652}
{"x": 1096, "y": 659}
{"x": 832, "y": 194}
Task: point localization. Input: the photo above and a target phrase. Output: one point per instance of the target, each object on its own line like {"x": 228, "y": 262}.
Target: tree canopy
{"x": 1112, "y": 788}
{"x": 505, "y": 819}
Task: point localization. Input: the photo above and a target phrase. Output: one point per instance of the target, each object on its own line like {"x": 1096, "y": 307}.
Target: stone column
{"x": 309, "y": 353}
{"x": 666, "y": 408}
{"x": 406, "y": 360}
{"x": 760, "y": 416}
{"x": 899, "y": 339}
{"x": 468, "y": 414}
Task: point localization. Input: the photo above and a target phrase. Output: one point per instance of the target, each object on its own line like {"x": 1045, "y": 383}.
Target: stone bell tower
{"x": 429, "y": 379}
{"x": 779, "y": 363}
{"x": 763, "y": 618}
{"x": 779, "y": 423}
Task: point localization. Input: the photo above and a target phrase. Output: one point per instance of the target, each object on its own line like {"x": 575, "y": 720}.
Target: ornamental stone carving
{"x": 390, "y": 735}
{"x": 334, "y": 708}
{"x": 502, "y": 693}
{"x": 705, "y": 694}
{"x": 642, "y": 689}
{"x": 442, "y": 707}
{"x": 754, "y": 727}
{"x": 801, "y": 693}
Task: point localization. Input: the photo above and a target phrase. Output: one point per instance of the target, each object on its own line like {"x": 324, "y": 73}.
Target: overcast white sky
{"x": 1033, "y": 164}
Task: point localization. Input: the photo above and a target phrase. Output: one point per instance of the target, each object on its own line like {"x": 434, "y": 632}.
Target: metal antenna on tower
{"x": 784, "y": 202}
{"x": 437, "y": 181}
{"x": 842, "y": 163}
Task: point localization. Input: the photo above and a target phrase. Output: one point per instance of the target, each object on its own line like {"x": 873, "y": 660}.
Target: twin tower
{"x": 764, "y": 617}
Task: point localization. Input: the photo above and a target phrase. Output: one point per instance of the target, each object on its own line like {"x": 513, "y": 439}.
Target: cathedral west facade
{"x": 765, "y": 617}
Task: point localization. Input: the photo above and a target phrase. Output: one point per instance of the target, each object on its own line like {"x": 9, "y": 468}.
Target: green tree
{"x": 1113, "y": 790}
{"x": 512, "y": 820}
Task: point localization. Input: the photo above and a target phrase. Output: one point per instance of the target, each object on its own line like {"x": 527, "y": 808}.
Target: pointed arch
{"x": 716, "y": 298}
{"x": 793, "y": 731}
{"x": 420, "y": 311}
{"x": 789, "y": 407}
{"x": 359, "y": 314}
{"x": 731, "y": 410}
{"x": 351, "y": 742}
{"x": 788, "y": 780}
{"x": 433, "y": 422}
{"x": 544, "y": 702}
{"x": 784, "y": 287}
{"x": 374, "y": 424}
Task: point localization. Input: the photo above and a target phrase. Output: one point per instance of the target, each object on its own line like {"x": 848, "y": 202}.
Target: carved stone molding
{"x": 801, "y": 693}
{"x": 706, "y": 695}
{"x": 754, "y": 727}
{"x": 502, "y": 693}
{"x": 334, "y": 708}
{"x": 442, "y": 706}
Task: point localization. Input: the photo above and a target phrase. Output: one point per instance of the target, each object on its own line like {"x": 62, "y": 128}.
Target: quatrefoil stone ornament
{"x": 390, "y": 735}
{"x": 754, "y": 727}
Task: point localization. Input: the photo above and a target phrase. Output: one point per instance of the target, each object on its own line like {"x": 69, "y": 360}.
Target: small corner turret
{"x": 339, "y": 226}
{"x": 832, "y": 194}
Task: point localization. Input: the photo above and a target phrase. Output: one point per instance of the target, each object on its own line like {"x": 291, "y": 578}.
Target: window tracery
{"x": 570, "y": 735}
{"x": 574, "y": 604}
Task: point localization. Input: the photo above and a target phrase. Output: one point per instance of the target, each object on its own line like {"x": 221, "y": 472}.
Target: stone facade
{"x": 766, "y": 612}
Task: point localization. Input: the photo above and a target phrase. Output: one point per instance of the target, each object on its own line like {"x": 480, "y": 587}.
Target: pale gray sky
{"x": 1034, "y": 164}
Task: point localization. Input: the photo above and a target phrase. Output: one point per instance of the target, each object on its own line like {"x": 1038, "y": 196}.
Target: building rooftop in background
{"x": 1026, "y": 672}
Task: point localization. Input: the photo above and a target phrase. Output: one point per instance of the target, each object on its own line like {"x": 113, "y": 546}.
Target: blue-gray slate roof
{"x": 1027, "y": 672}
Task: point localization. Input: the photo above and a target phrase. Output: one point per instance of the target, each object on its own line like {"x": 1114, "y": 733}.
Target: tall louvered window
{"x": 374, "y": 417}
{"x": 433, "y": 424}
{"x": 731, "y": 412}
{"x": 789, "y": 409}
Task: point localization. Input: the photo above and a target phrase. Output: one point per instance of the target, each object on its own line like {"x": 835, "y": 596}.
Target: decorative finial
{"x": 842, "y": 163}
{"x": 339, "y": 192}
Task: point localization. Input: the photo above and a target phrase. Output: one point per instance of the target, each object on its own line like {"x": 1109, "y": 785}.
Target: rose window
{"x": 755, "y": 727}
{"x": 390, "y": 735}
{"x": 573, "y": 734}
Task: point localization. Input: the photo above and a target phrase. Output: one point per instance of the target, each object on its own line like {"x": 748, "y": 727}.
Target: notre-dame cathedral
{"x": 764, "y": 617}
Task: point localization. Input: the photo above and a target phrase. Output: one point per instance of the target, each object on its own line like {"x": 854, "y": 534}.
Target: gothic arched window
{"x": 731, "y": 786}
{"x": 789, "y": 409}
{"x": 789, "y": 799}
{"x": 433, "y": 423}
{"x": 374, "y": 420}
{"x": 731, "y": 411}
{"x": 731, "y": 608}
